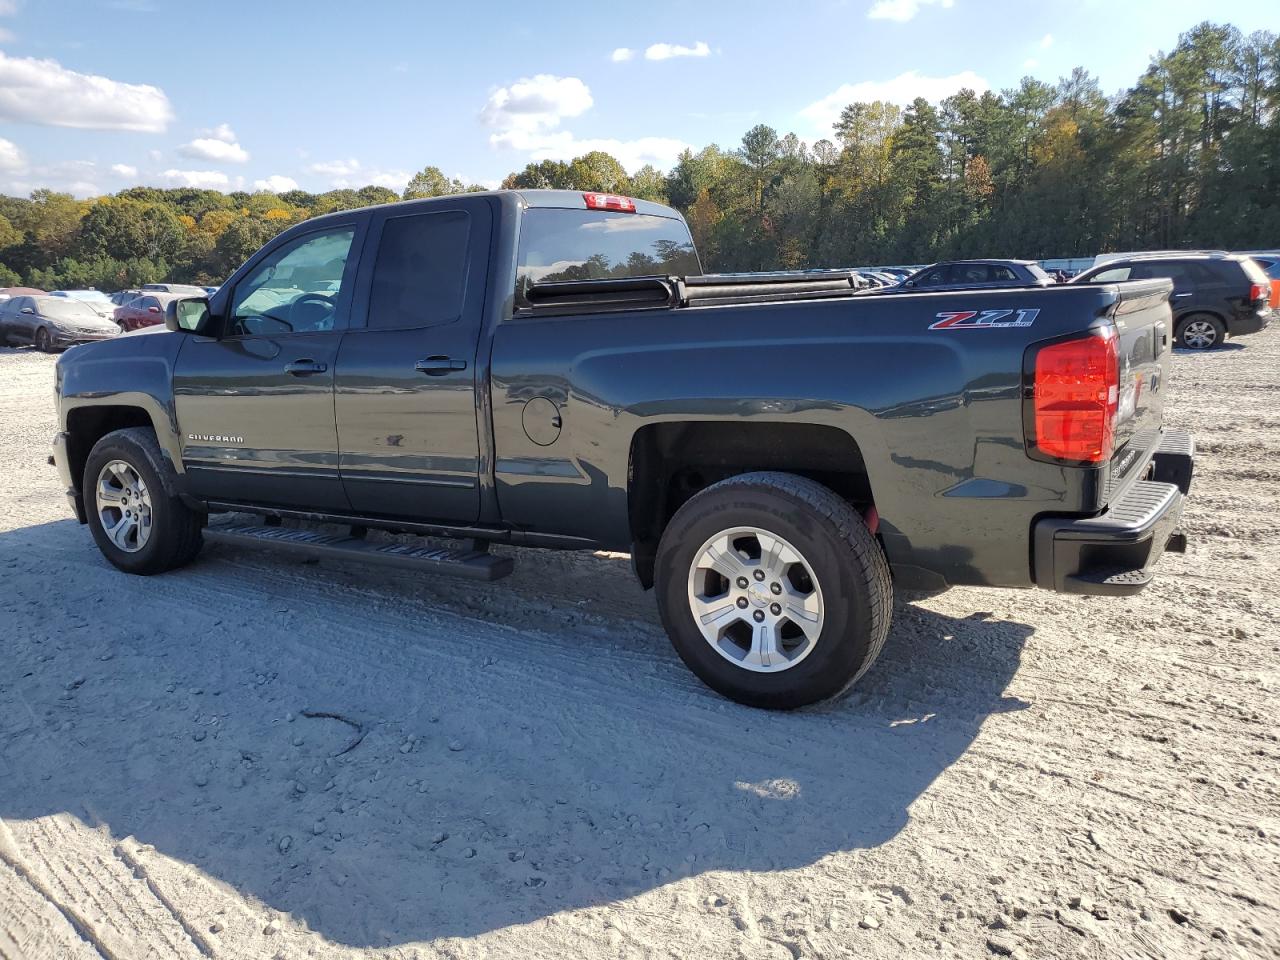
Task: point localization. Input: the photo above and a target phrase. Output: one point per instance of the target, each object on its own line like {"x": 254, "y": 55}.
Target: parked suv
{"x": 1215, "y": 295}
{"x": 976, "y": 275}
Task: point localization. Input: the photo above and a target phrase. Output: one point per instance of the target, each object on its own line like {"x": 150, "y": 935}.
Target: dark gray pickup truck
{"x": 547, "y": 368}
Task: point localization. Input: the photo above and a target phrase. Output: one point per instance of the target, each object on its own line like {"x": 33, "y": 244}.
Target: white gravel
{"x": 525, "y": 769}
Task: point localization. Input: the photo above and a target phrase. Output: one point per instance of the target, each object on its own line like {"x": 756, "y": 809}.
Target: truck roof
{"x": 576, "y": 200}
{"x": 560, "y": 199}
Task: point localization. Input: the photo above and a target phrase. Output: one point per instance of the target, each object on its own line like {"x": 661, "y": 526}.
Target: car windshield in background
{"x": 65, "y": 308}
{"x": 600, "y": 244}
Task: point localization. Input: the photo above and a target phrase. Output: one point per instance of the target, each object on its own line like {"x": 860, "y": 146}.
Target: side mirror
{"x": 27, "y": 310}
{"x": 153, "y": 309}
{"x": 908, "y": 283}
{"x": 188, "y": 315}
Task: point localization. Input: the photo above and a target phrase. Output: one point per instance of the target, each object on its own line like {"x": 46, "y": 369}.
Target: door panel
{"x": 406, "y": 377}
{"x": 255, "y": 404}
{"x": 252, "y": 431}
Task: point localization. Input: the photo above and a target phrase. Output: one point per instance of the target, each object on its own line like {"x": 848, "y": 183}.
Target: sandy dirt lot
{"x": 257, "y": 757}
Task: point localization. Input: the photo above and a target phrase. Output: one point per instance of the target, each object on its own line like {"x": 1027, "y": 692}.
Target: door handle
{"x": 438, "y": 366}
{"x": 302, "y": 368}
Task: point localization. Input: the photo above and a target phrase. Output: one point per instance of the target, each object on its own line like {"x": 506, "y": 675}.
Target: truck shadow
{"x": 503, "y": 774}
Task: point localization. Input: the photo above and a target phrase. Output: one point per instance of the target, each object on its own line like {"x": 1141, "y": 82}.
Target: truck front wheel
{"x": 773, "y": 590}
{"x": 138, "y": 524}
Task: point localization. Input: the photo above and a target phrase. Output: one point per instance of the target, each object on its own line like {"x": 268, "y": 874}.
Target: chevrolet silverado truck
{"x": 777, "y": 452}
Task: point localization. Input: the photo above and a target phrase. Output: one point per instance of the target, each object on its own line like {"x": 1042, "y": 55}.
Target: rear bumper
{"x": 1254, "y": 322}
{"x": 1113, "y": 553}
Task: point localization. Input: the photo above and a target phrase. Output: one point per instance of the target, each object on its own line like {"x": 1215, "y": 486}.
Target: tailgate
{"x": 1144, "y": 324}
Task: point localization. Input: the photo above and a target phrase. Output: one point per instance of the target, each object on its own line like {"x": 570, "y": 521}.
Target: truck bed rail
{"x": 662, "y": 293}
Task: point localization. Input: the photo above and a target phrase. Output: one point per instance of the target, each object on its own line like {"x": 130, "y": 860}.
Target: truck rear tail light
{"x": 1075, "y": 396}
{"x": 1259, "y": 291}
{"x": 608, "y": 201}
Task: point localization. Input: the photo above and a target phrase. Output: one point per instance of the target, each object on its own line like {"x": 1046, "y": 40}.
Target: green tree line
{"x": 1189, "y": 156}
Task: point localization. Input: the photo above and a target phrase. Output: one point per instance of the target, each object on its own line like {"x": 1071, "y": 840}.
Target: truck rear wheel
{"x": 773, "y": 590}
{"x": 138, "y": 524}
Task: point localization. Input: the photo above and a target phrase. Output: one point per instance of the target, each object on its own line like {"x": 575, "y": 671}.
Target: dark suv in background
{"x": 976, "y": 274}
{"x": 1215, "y": 295}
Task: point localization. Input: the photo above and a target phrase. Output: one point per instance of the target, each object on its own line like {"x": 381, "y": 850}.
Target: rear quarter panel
{"x": 937, "y": 413}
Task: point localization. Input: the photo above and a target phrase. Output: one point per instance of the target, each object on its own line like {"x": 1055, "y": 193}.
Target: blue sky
{"x": 98, "y": 95}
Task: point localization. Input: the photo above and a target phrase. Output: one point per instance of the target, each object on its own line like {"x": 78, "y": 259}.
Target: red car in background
{"x": 144, "y": 311}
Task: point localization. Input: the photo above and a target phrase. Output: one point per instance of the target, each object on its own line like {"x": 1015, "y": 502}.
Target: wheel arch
{"x": 1190, "y": 312}
{"x": 86, "y": 424}
{"x": 669, "y": 462}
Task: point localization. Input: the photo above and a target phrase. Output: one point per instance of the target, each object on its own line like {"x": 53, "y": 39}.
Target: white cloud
{"x": 221, "y": 132}
{"x": 6, "y": 36}
{"x": 665, "y": 51}
{"x": 901, "y": 90}
{"x": 662, "y": 152}
{"x": 351, "y": 173}
{"x": 11, "y": 158}
{"x": 218, "y": 144}
{"x": 532, "y": 106}
{"x": 124, "y": 170}
{"x": 1046, "y": 41}
{"x": 902, "y": 10}
{"x": 527, "y": 117}
{"x": 1030, "y": 63}
{"x": 391, "y": 179}
{"x": 78, "y": 177}
{"x": 336, "y": 168}
{"x": 47, "y": 93}
{"x": 621, "y": 54}
{"x": 207, "y": 148}
{"x": 276, "y": 184}
{"x": 202, "y": 179}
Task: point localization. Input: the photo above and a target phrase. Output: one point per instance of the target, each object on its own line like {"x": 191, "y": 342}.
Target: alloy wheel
{"x": 124, "y": 506}
{"x": 755, "y": 599}
{"x": 1200, "y": 335}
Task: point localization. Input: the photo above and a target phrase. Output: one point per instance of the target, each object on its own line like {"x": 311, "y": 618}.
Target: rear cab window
{"x": 420, "y": 274}
{"x": 566, "y": 244}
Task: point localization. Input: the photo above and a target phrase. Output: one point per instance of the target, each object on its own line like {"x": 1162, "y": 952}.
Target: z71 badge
{"x": 984, "y": 319}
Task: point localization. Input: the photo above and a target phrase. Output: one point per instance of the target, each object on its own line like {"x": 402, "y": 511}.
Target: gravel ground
{"x": 257, "y": 757}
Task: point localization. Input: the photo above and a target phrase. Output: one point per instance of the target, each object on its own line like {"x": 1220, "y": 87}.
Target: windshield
{"x": 67, "y": 309}
{"x": 600, "y": 244}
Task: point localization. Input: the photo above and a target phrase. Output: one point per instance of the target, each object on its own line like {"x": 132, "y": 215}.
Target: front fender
{"x": 130, "y": 371}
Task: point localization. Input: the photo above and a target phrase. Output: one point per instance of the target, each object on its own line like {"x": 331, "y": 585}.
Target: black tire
{"x": 43, "y": 342}
{"x": 1219, "y": 331}
{"x": 175, "y": 532}
{"x": 845, "y": 560}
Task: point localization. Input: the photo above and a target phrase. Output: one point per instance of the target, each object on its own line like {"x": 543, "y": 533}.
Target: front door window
{"x": 296, "y": 289}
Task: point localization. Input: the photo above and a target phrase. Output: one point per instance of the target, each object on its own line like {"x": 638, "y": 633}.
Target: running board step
{"x": 1115, "y": 583}
{"x": 472, "y": 564}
